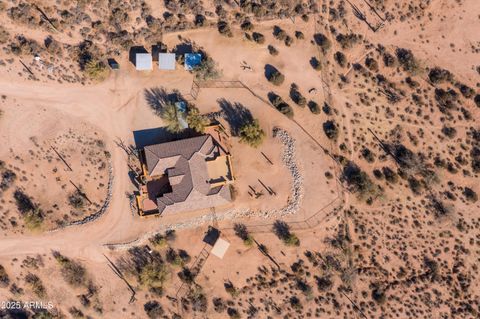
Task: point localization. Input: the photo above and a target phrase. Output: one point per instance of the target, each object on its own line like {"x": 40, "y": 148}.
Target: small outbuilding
{"x": 166, "y": 61}
{"x": 220, "y": 248}
{"x": 143, "y": 61}
{"x": 192, "y": 60}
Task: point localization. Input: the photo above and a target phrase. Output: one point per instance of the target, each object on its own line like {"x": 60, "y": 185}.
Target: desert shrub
{"x": 378, "y": 295}
{"x": 371, "y": 64}
{"x": 324, "y": 283}
{"x": 224, "y": 29}
{"x": 315, "y": 63}
{"x": 438, "y": 75}
{"x": 195, "y": 120}
{"x": 297, "y": 97}
{"x": 330, "y": 128}
{"x": 446, "y": 99}
{"x": 153, "y": 275}
{"x": 476, "y": 99}
{"x": 252, "y": 134}
{"x": 299, "y": 35}
{"x": 153, "y": 309}
{"x": 218, "y": 305}
{"x": 368, "y": 155}
{"x": 448, "y": 131}
{"x": 282, "y": 231}
{"x": 4, "y": 35}
{"x": 24, "y": 203}
{"x": 198, "y": 300}
{"x": 76, "y": 199}
{"x": 358, "y": 181}
{"x": 96, "y": 70}
{"x": 258, "y": 37}
{"x": 186, "y": 276}
{"x": 469, "y": 194}
{"x": 242, "y": 232}
{"x": 36, "y": 285}
{"x": 173, "y": 258}
{"x": 314, "y": 107}
{"x": 282, "y": 106}
{"x": 348, "y": 40}
{"x": 407, "y": 60}
{"x": 466, "y": 91}
{"x": 207, "y": 70}
{"x": 158, "y": 241}
{"x": 388, "y": 59}
{"x": 279, "y": 33}
{"x": 272, "y": 50}
{"x": 34, "y": 219}
{"x": 4, "y": 279}
{"x": 246, "y": 26}
{"x": 288, "y": 41}
{"x": 390, "y": 175}
{"x": 8, "y": 178}
{"x": 276, "y": 77}
{"x": 73, "y": 272}
{"x": 340, "y": 58}
{"x": 323, "y": 42}
{"x": 233, "y": 313}
{"x": 415, "y": 185}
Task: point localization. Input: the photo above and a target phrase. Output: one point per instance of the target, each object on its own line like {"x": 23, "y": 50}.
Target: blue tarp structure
{"x": 192, "y": 60}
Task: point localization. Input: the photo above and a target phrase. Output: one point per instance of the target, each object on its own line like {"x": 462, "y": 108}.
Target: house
{"x": 166, "y": 61}
{"x": 143, "y": 61}
{"x": 192, "y": 60}
{"x": 185, "y": 175}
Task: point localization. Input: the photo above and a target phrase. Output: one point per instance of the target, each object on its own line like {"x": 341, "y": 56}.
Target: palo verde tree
{"x": 252, "y": 134}
{"x": 195, "y": 120}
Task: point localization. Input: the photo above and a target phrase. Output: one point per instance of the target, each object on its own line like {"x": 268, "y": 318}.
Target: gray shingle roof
{"x": 184, "y": 163}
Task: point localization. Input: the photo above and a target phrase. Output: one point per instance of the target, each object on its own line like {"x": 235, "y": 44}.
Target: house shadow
{"x": 133, "y": 52}
{"x": 235, "y": 114}
{"x": 152, "y": 136}
{"x": 158, "y": 135}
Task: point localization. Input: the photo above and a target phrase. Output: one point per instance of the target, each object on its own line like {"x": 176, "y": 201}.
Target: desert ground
{"x": 370, "y": 112}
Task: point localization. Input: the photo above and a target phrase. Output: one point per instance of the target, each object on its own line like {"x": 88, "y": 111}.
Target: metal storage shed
{"x": 143, "y": 61}
{"x": 166, "y": 61}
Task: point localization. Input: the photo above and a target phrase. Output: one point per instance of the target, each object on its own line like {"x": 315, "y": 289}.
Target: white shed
{"x": 220, "y": 248}
{"x": 143, "y": 61}
{"x": 166, "y": 61}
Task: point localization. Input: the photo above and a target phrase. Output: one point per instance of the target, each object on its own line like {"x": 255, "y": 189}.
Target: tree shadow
{"x": 235, "y": 114}
{"x": 158, "y": 97}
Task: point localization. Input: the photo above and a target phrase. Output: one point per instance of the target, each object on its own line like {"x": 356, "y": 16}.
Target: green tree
{"x": 195, "y": 120}
{"x": 169, "y": 115}
{"x": 153, "y": 275}
{"x": 252, "y": 134}
{"x": 96, "y": 70}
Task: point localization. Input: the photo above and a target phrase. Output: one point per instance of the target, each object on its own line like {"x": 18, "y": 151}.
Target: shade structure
{"x": 192, "y": 60}
{"x": 220, "y": 248}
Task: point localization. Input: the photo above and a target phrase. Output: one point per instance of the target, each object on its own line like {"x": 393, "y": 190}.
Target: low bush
{"x": 330, "y": 128}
